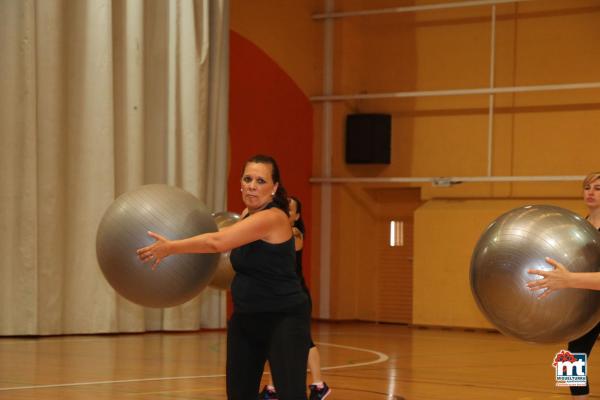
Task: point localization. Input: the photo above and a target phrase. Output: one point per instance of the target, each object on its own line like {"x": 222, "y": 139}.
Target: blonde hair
{"x": 591, "y": 178}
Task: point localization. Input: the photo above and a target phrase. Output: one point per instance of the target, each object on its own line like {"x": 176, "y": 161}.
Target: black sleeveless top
{"x": 265, "y": 278}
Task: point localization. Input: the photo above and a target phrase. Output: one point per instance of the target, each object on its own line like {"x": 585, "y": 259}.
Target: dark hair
{"x": 280, "y": 198}
{"x": 299, "y": 223}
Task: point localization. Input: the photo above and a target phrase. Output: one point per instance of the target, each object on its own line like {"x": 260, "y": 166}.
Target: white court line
{"x": 381, "y": 357}
{"x": 166, "y": 378}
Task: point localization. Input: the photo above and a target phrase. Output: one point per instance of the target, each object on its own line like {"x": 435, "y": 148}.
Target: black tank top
{"x": 265, "y": 278}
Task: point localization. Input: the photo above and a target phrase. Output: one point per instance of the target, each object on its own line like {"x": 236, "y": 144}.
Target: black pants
{"x": 282, "y": 338}
{"x": 311, "y": 343}
{"x": 584, "y": 345}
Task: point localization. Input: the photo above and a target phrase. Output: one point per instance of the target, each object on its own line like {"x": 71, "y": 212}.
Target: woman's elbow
{"x": 216, "y": 246}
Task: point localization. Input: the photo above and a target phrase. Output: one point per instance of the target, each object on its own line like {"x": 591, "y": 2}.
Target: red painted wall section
{"x": 268, "y": 114}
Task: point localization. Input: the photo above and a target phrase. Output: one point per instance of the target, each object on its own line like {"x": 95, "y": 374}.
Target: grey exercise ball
{"x": 520, "y": 240}
{"x": 170, "y": 212}
{"x": 224, "y": 274}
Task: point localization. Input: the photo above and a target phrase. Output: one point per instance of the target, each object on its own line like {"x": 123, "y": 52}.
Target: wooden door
{"x": 394, "y": 270}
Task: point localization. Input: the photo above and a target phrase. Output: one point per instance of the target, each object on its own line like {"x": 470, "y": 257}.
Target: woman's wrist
{"x": 172, "y": 246}
{"x": 575, "y": 280}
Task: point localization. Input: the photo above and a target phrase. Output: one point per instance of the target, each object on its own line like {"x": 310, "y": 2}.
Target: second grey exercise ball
{"x": 224, "y": 274}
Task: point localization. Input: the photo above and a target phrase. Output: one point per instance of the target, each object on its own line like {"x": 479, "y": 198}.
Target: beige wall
{"x": 546, "y": 133}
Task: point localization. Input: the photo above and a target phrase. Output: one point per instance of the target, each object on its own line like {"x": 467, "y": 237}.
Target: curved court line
{"x": 381, "y": 357}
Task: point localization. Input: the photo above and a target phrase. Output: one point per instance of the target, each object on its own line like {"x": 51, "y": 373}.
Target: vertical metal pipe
{"x": 325, "y": 256}
{"x": 490, "y": 138}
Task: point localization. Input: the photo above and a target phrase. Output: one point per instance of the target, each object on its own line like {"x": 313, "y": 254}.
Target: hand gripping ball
{"x": 520, "y": 240}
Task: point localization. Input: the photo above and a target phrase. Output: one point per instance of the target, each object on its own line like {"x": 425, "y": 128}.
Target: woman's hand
{"x": 156, "y": 251}
{"x": 298, "y": 239}
{"x": 553, "y": 280}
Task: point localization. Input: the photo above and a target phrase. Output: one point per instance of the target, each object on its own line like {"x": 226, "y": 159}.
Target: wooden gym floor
{"x": 360, "y": 360}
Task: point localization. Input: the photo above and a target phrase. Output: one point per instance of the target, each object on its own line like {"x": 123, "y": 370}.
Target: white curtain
{"x": 98, "y": 97}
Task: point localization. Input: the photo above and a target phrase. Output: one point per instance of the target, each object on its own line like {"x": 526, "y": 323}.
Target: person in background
{"x": 318, "y": 389}
{"x": 561, "y": 278}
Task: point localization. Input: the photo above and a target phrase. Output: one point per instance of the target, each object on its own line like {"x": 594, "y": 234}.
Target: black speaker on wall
{"x": 368, "y": 138}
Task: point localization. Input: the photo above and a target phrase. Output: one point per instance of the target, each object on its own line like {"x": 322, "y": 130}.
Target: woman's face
{"x": 293, "y": 212}
{"x": 257, "y": 185}
{"x": 591, "y": 194}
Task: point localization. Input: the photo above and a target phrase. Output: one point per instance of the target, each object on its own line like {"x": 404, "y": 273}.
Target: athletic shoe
{"x": 319, "y": 392}
{"x": 267, "y": 394}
